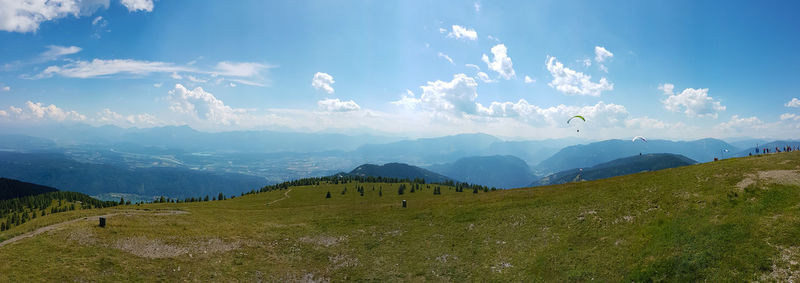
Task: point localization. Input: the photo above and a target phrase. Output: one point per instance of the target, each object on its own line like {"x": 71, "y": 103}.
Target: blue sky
{"x": 663, "y": 69}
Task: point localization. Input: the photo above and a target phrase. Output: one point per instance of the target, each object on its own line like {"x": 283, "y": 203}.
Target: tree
{"x": 162, "y": 200}
{"x": 206, "y": 199}
{"x": 328, "y": 195}
{"x": 401, "y": 189}
{"x": 221, "y": 197}
{"x": 121, "y": 201}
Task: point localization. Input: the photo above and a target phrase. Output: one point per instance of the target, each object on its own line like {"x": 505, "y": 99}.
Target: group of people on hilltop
{"x": 777, "y": 149}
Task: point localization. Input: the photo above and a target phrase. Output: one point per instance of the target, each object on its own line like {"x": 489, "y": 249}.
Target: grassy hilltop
{"x": 732, "y": 220}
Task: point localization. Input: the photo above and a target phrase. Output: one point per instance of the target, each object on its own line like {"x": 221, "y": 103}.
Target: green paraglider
{"x": 576, "y": 116}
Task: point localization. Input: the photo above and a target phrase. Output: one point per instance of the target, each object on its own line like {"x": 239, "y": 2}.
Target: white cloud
{"x": 26, "y": 16}
{"x": 587, "y": 62}
{"x": 462, "y": 32}
{"x": 793, "y": 103}
{"x": 232, "y": 85}
{"x": 98, "y": 20}
{"x": 600, "y": 114}
{"x": 529, "y": 80}
{"x": 408, "y": 100}
{"x": 195, "y": 80}
{"x": 240, "y": 69}
{"x": 106, "y": 116}
{"x": 100, "y": 68}
{"x": 647, "y": 123}
{"x": 202, "y": 105}
{"x": 601, "y": 54}
{"x": 667, "y": 88}
{"x": 323, "y": 81}
{"x": 456, "y": 96}
{"x": 157, "y": 85}
{"x": 501, "y": 63}
{"x": 444, "y": 56}
{"x": 39, "y": 112}
{"x": 694, "y": 102}
{"x": 336, "y": 105}
{"x": 5, "y": 88}
{"x": 484, "y": 77}
{"x": 477, "y": 6}
{"x": 249, "y": 73}
{"x": 493, "y": 38}
{"x": 569, "y": 81}
{"x": 55, "y": 51}
{"x": 737, "y": 124}
{"x": 138, "y": 5}
{"x": 473, "y": 66}
{"x": 790, "y": 116}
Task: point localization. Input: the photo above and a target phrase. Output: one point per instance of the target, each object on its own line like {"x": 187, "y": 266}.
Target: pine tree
{"x": 121, "y": 201}
{"x": 206, "y": 199}
{"x": 221, "y": 196}
{"x": 328, "y": 195}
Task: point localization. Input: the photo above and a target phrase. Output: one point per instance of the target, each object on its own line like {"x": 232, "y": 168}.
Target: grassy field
{"x": 733, "y": 220}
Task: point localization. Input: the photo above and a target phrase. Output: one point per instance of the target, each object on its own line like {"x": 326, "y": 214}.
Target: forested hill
{"x": 10, "y": 188}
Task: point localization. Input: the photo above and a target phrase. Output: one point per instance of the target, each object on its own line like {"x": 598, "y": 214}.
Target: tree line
{"x": 14, "y": 212}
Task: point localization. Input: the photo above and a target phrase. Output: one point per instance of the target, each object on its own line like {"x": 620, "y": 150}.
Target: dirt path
{"x": 89, "y": 218}
{"x": 285, "y": 196}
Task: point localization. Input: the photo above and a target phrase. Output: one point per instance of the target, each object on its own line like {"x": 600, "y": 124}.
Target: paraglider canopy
{"x": 576, "y": 116}
{"x": 641, "y": 138}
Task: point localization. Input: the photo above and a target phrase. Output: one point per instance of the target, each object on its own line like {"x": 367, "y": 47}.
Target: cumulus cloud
{"x": 793, "y": 103}
{"x": 456, "y": 96}
{"x": 501, "y": 63}
{"x": 138, "y": 5}
{"x": 408, "y": 100}
{"x": 202, "y": 105}
{"x": 39, "y": 112}
{"x": 26, "y": 16}
{"x": 462, "y": 32}
{"x": 336, "y": 105}
{"x": 667, "y": 88}
{"x": 601, "y": 54}
{"x": 569, "y": 81}
{"x": 694, "y": 103}
{"x": 323, "y": 81}
{"x": 444, "y": 56}
{"x": 529, "y": 80}
{"x": 600, "y": 114}
{"x": 106, "y": 116}
{"x": 742, "y": 123}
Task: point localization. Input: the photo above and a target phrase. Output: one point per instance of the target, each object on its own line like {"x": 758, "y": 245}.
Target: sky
{"x": 515, "y": 69}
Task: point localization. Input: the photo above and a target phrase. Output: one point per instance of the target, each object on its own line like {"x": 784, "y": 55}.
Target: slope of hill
{"x": 588, "y": 155}
{"x": 399, "y": 171}
{"x": 10, "y": 188}
{"x": 732, "y": 220}
{"x": 618, "y": 167}
{"x": 57, "y": 171}
{"x": 501, "y": 171}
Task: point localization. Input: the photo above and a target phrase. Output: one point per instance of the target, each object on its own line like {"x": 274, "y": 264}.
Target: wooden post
{"x": 102, "y": 222}
{"x": 404, "y": 203}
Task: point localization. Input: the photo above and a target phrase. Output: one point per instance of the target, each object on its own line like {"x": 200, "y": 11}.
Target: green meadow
{"x": 732, "y": 220}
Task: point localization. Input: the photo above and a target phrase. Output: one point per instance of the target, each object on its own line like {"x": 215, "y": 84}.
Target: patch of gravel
{"x": 156, "y": 248}
{"x": 785, "y": 268}
{"x": 783, "y": 177}
{"x": 325, "y": 241}
{"x": 149, "y": 248}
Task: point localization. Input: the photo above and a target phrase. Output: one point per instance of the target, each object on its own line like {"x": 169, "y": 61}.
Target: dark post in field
{"x": 102, "y": 222}
{"x": 404, "y": 203}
